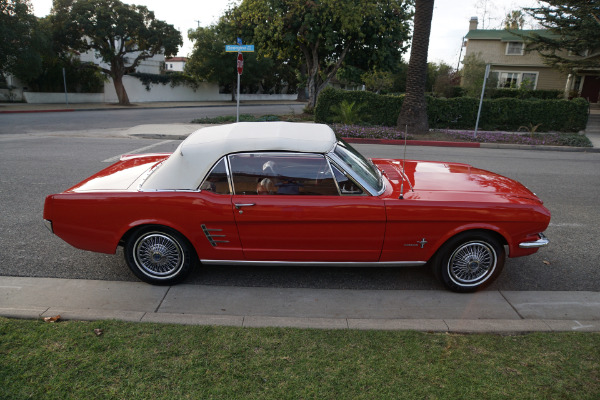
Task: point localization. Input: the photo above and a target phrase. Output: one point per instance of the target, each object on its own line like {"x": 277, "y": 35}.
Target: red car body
{"x": 423, "y": 207}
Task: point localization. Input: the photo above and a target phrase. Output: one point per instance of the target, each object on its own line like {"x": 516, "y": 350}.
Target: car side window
{"x": 217, "y": 181}
{"x": 347, "y": 186}
{"x": 282, "y": 174}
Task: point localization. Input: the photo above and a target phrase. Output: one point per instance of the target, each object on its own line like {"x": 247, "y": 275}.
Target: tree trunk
{"x": 414, "y": 108}
{"x": 302, "y": 90}
{"x": 120, "y": 89}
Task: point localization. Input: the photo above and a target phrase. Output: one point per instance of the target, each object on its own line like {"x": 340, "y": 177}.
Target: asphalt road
{"x": 33, "y": 166}
{"x": 124, "y": 118}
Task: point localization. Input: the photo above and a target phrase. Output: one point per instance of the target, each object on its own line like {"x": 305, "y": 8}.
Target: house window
{"x": 515, "y": 80}
{"x": 528, "y": 80}
{"x": 514, "y": 48}
{"x": 508, "y": 79}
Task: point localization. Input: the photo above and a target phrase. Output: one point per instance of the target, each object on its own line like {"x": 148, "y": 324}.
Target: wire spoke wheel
{"x": 471, "y": 262}
{"x": 159, "y": 255}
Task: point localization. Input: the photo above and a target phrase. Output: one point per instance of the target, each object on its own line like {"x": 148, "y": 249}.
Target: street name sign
{"x": 231, "y": 48}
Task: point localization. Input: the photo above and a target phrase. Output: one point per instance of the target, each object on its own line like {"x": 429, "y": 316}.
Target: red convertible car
{"x": 280, "y": 193}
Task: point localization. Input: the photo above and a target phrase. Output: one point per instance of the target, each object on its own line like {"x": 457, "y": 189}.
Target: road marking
{"x": 136, "y": 151}
{"x": 580, "y": 326}
{"x": 572, "y": 225}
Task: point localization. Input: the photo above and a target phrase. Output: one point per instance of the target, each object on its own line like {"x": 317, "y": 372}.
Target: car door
{"x": 288, "y": 207}
{"x": 216, "y": 231}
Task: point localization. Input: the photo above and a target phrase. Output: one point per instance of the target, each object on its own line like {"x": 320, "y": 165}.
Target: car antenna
{"x": 403, "y": 164}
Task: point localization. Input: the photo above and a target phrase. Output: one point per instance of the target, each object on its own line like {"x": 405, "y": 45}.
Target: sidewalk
{"x": 422, "y": 310}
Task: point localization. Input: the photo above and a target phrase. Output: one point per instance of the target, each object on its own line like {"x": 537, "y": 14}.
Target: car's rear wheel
{"x": 159, "y": 255}
{"x": 469, "y": 261}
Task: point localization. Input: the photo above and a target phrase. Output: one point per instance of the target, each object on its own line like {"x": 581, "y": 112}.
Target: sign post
{"x": 239, "y": 48}
{"x": 240, "y": 69}
{"x": 485, "y": 77}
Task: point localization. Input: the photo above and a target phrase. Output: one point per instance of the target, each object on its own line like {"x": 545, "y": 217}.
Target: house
{"x": 512, "y": 66}
{"x": 175, "y": 64}
{"x": 151, "y": 65}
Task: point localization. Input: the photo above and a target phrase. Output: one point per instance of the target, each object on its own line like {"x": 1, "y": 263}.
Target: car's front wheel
{"x": 159, "y": 255}
{"x": 469, "y": 261}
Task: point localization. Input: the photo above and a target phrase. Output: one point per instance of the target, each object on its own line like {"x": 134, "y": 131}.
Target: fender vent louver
{"x": 212, "y": 237}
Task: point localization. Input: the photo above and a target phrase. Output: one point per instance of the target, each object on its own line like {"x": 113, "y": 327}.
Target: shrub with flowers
{"x": 384, "y": 132}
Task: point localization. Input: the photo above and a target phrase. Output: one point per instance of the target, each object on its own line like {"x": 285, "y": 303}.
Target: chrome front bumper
{"x": 541, "y": 242}
{"x": 48, "y": 224}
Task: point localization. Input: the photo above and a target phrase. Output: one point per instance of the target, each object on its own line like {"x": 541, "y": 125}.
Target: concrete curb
{"x": 504, "y": 312}
{"x": 136, "y": 107}
{"x": 501, "y": 326}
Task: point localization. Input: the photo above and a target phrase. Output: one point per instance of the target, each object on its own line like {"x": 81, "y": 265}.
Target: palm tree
{"x": 414, "y": 108}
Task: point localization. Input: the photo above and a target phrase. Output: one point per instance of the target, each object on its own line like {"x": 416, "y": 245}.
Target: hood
{"x": 122, "y": 175}
{"x": 431, "y": 177}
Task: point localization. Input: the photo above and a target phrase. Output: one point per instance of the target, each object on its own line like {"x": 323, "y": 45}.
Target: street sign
{"x": 239, "y": 41}
{"x": 240, "y": 63}
{"x": 234, "y": 48}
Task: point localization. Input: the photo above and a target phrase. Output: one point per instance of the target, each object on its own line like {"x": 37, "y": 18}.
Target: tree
{"x": 324, "y": 32}
{"x": 376, "y": 81}
{"x": 18, "y": 42}
{"x": 572, "y": 27}
{"x": 210, "y": 62}
{"x": 514, "y": 20}
{"x": 122, "y": 35}
{"x": 413, "y": 113}
{"x": 473, "y": 73}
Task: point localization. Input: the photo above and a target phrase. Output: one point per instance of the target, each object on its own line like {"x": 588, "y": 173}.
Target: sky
{"x": 449, "y": 24}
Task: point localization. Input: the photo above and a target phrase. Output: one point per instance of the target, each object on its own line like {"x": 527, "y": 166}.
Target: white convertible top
{"x": 187, "y": 166}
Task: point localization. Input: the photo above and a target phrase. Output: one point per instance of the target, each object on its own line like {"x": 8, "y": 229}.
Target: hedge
{"x": 460, "y": 113}
{"x": 498, "y": 93}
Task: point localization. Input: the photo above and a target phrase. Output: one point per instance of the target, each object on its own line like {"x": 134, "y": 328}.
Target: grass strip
{"x": 67, "y": 360}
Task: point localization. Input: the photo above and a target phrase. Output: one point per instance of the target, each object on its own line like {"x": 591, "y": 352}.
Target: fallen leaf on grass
{"x": 98, "y": 331}
{"x": 56, "y": 318}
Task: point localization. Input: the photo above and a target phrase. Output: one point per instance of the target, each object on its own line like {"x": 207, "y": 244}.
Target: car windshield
{"x": 364, "y": 168}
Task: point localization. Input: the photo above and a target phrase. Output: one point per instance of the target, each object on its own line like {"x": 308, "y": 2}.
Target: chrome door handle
{"x": 238, "y": 206}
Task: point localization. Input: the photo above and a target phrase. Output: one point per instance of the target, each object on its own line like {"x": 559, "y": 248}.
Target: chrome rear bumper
{"x": 541, "y": 242}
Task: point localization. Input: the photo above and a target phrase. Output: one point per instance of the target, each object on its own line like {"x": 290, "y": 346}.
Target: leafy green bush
{"x": 377, "y": 109}
{"x": 574, "y": 140}
{"x": 524, "y": 94}
{"x": 347, "y": 113}
{"x": 461, "y": 112}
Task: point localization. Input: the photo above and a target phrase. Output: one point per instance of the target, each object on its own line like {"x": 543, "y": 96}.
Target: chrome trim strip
{"x": 317, "y": 263}
{"x": 226, "y": 163}
{"x": 342, "y": 171}
{"x": 541, "y": 242}
{"x": 147, "y": 174}
{"x": 355, "y": 177}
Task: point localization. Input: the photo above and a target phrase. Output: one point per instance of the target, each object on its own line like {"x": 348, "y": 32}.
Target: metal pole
{"x": 238, "y": 100}
{"x": 487, "y": 72}
{"x": 238, "y": 86}
{"x": 65, "y": 83}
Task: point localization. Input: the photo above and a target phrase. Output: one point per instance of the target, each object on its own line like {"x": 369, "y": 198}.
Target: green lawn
{"x": 66, "y": 360}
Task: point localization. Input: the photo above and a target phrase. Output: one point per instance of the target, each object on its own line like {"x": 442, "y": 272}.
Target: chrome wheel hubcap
{"x": 472, "y": 263}
{"x": 158, "y": 255}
